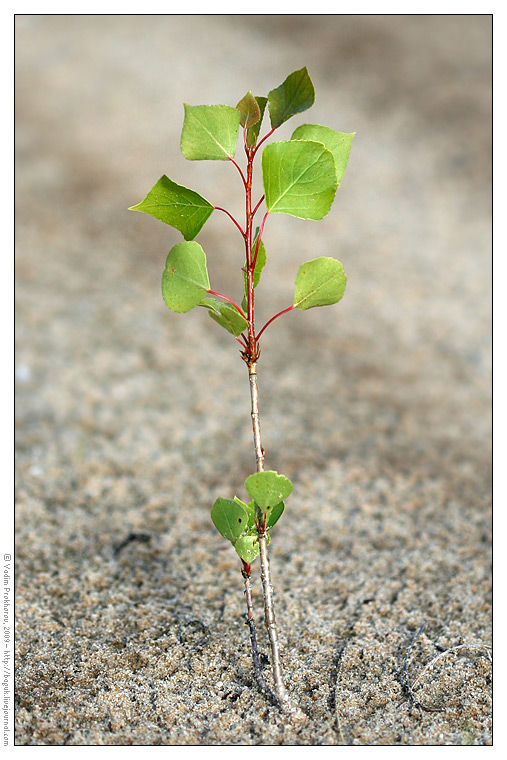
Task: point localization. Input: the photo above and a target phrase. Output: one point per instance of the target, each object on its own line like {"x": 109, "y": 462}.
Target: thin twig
{"x": 410, "y": 686}
{"x": 333, "y": 703}
{"x": 448, "y": 651}
{"x": 253, "y": 637}
{"x": 338, "y": 723}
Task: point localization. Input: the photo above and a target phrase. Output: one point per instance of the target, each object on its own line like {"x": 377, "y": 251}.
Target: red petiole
{"x": 219, "y": 295}
{"x": 273, "y": 318}
{"x": 218, "y": 208}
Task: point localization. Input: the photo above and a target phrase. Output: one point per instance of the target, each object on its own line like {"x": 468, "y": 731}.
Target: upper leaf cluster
{"x": 300, "y": 178}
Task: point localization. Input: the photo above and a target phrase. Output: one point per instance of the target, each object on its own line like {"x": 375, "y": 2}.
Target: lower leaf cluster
{"x": 237, "y": 521}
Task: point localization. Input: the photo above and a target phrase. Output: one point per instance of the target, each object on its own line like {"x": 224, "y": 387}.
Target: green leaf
{"x": 211, "y": 303}
{"x": 299, "y": 178}
{"x": 268, "y": 488}
{"x": 226, "y": 316}
{"x": 260, "y": 263}
{"x": 230, "y": 318}
{"x": 339, "y": 143}
{"x": 249, "y": 111}
{"x": 176, "y": 205}
{"x": 319, "y": 282}
{"x": 209, "y": 132}
{"x": 274, "y": 514}
{"x": 252, "y": 132}
{"x": 248, "y": 547}
{"x": 250, "y": 508}
{"x": 230, "y": 518}
{"x": 185, "y": 279}
{"x": 296, "y": 94}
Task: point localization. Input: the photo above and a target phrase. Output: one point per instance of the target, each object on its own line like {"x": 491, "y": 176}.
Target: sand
{"x": 132, "y": 420}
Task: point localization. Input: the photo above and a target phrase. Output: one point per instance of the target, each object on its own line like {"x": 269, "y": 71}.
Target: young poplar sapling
{"x": 300, "y": 178}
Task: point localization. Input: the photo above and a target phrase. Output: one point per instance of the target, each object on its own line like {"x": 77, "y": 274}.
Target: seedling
{"x": 300, "y": 178}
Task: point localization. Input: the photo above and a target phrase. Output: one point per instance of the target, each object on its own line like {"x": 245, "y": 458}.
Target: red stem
{"x": 218, "y": 208}
{"x": 273, "y": 318}
{"x": 257, "y": 206}
{"x": 261, "y": 141}
{"x": 248, "y": 245}
{"x": 239, "y": 169}
{"x": 219, "y": 295}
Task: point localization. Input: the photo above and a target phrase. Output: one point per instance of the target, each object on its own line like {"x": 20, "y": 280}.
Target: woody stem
{"x": 253, "y": 633}
{"x": 267, "y": 589}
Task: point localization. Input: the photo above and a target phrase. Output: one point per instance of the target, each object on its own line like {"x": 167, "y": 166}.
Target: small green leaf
{"x": 250, "y": 508}
{"x": 319, "y": 282}
{"x": 268, "y": 488}
{"x": 260, "y": 263}
{"x": 299, "y": 178}
{"x": 209, "y": 132}
{"x": 185, "y": 278}
{"x": 274, "y": 514}
{"x": 339, "y": 143}
{"x": 247, "y": 547}
{"x": 252, "y": 132}
{"x": 230, "y": 318}
{"x": 176, "y": 205}
{"x": 249, "y": 111}
{"x": 211, "y": 303}
{"x": 296, "y": 94}
{"x": 230, "y": 518}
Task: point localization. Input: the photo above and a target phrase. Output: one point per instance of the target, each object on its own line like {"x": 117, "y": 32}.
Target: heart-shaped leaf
{"x": 319, "y": 282}
{"x": 296, "y": 94}
{"x": 209, "y": 132}
{"x": 299, "y": 178}
{"x": 230, "y": 518}
{"x": 339, "y": 143}
{"x": 268, "y": 488}
{"x": 249, "y": 111}
{"x": 185, "y": 278}
{"x": 176, "y": 205}
{"x": 247, "y": 547}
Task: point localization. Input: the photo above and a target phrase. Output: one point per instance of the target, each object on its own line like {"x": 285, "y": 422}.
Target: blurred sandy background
{"x": 132, "y": 419}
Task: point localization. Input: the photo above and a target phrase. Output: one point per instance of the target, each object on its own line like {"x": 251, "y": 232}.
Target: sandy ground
{"x": 132, "y": 419}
